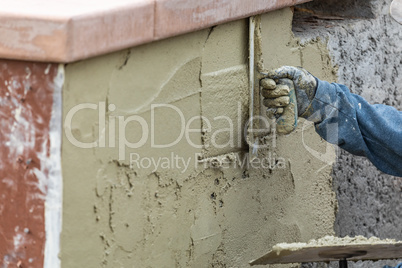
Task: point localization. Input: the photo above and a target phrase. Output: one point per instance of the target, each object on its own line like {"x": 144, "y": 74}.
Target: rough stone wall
{"x": 367, "y": 53}
{"x": 121, "y": 211}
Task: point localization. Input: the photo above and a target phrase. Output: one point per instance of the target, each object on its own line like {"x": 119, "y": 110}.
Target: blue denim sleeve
{"x": 349, "y": 121}
{"x": 398, "y": 266}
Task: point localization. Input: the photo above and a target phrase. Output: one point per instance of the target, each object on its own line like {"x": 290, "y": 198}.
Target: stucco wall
{"x": 118, "y": 212}
{"x": 367, "y": 53}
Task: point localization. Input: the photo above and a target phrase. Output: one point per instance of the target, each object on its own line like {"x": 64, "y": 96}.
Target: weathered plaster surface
{"x": 121, "y": 215}
{"x": 27, "y": 173}
{"x": 367, "y": 53}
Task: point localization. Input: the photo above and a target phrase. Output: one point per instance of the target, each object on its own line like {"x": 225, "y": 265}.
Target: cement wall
{"x": 120, "y": 211}
{"x": 367, "y": 54}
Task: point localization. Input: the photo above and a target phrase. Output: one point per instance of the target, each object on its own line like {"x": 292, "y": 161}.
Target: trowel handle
{"x": 287, "y": 122}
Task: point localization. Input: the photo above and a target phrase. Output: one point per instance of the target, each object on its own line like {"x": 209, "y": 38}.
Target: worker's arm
{"x": 346, "y": 119}
{"x": 398, "y": 266}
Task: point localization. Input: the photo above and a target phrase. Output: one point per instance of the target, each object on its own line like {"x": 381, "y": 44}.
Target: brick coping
{"x": 72, "y": 30}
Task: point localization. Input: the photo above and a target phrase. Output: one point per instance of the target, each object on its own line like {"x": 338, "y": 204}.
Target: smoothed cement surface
{"x": 117, "y": 215}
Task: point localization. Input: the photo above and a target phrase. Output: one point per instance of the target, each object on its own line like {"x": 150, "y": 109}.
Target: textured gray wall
{"x": 368, "y": 53}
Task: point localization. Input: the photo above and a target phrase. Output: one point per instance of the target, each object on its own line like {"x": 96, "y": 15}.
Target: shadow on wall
{"x": 350, "y": 9}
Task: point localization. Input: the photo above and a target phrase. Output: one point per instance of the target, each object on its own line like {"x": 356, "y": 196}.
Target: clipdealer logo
{"x": 110, "y": 136}
{"x": 148, "y": 134}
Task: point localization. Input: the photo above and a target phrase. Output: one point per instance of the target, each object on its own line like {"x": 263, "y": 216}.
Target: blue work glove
{"x": 398, "y": 266}
{"x": 276, "y": 96}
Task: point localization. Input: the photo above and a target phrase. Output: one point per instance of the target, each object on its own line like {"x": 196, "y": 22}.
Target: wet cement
{"x": 189, "y": 212}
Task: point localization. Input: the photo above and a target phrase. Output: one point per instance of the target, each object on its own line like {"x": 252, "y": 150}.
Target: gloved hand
{"x": 276, "y": 95}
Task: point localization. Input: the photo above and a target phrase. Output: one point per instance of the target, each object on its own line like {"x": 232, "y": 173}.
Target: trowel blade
{"x": 254, "y": 58}
{"x": 353, "y": 252}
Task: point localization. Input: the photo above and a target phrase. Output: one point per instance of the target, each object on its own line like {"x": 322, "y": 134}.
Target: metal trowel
{"x": 285, "y": 120}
